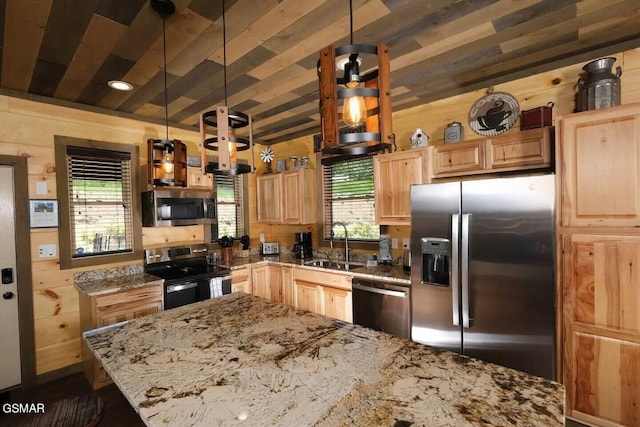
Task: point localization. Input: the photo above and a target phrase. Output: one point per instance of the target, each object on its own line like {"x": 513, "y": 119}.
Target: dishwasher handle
{"x": 389, "y": 292}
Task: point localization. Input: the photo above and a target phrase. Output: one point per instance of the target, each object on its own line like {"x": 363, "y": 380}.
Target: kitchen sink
{"x": 333, "y": 264}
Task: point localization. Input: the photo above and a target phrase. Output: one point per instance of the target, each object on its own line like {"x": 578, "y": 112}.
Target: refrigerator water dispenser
{"x": 435, "y": 261}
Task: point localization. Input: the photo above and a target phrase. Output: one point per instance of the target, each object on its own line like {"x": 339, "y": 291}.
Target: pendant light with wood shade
{"x": 226, "y": 121}
{"x": 166, "y": 158}
{"x": 366, "y": 99}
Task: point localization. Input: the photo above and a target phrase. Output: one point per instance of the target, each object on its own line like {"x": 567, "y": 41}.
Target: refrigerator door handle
{"x": 455, "y": 257}
{"x": 464, "y": 271}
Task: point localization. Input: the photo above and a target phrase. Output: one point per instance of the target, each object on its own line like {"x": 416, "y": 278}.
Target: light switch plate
{"x": 47, "y": 251}
{"x": 262, "y": 238}
{"x": 394, "y": 243}
{"x": 405, "y": 243}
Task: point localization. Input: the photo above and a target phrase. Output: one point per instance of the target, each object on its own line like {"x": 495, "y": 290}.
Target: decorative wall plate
{"x": 493, "y": 114}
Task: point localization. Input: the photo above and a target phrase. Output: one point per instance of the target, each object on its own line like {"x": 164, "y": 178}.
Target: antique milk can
{"x": 599, "y": 87}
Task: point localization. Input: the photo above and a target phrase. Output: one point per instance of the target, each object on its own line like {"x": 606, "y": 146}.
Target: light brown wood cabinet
{"x": 529, "y": 149}
{"x": 602, "y": 328}
{"x": 287, "y": 285}
{"x": 269, "y": 198}
{"x": 241, "y": 280}
{"x": 287, "y": 197}
{"x": 597, "y": 166}
{"x": 393, "y": 175}
{"x": 267, "y": 282}
{"x": 108, "y": 309}
{"x": 196, "y": 180}
{"x": 324, "y": 293}
{"x": 600, "y": 158}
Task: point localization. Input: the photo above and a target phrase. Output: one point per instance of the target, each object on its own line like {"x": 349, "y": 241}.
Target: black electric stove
{"x": 188, "y": 278}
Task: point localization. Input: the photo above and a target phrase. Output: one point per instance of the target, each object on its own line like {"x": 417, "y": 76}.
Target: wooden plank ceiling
{"x": 69, "y": 49}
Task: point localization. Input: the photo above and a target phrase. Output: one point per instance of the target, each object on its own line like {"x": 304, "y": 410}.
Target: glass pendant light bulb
{"x": 354, "y": 111}
{"x": 233, "y": 151}
{"x": 167, "y": 165}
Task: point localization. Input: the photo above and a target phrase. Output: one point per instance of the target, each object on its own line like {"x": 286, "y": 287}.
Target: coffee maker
{"x": 303, "y": 247}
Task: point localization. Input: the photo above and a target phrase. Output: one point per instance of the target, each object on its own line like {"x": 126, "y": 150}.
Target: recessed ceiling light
{"x": 120, "y": 85}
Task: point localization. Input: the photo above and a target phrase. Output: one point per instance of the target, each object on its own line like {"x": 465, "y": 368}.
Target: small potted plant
{"x": 226, "y": 244}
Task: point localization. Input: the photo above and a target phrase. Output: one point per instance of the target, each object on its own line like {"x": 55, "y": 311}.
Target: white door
{"x": 9, "y": 329}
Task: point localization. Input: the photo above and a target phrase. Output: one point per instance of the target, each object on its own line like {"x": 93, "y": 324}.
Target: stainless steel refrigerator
{"x": 483, "y": 270}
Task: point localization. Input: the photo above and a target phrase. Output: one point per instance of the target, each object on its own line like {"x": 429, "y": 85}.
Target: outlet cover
{"x": 47, "y": 251}
{"x": 262, "y": 238}
{"x": 405, "y": 243}
{"x": 394, "y": 243}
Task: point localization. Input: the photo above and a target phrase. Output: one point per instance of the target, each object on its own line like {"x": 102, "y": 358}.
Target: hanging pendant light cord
{"x": 224, "y": 54}
{"x": 351, "y": 21}
{"x": 164, "y": 56}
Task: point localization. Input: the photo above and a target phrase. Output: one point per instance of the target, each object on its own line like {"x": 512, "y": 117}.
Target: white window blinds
{"x": 230, "y": 201}
{"x": 100, "y": 201}
{"x": 349, "y": 198}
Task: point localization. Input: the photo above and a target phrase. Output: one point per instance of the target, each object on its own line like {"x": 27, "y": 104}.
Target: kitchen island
{"x": 240, "y": 359}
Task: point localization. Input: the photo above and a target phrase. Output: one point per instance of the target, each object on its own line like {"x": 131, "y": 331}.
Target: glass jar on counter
{"x": 454, "y": 132}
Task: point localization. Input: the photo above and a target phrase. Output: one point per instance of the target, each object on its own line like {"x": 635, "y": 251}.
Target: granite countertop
{"x": 106, "y": 285}
{"x": 242, "y": 358}
{"x": 393, "y": 273}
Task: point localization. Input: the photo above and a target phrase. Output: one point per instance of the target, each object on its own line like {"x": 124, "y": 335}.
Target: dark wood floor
{"x": 117, "y": 411}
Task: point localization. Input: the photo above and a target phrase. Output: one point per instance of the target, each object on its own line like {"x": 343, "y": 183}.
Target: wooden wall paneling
{"x": 51, "y": 302}
{"x": 22, "y": 40}
{"x": 43, "y": 236}
{"x": 58, "y": 356}
{"x": 47, "y": 275}
{"x": 57, "y": 329}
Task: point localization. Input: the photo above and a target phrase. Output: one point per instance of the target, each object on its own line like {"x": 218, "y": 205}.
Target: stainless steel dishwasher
{"x": 382, "y": 306}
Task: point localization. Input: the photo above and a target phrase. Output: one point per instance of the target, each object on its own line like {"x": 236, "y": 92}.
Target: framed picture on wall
{"x": 43, "y": 213}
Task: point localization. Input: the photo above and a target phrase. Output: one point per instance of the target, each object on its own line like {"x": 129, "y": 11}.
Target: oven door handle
{"x": 177, "y": 288}
{"x": 389, "y": 292}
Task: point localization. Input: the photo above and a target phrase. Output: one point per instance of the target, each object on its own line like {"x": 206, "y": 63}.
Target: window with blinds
{"x": 349, "y": 198}
{"x": 230, "y": 204}
{"x": 100, "y": 201}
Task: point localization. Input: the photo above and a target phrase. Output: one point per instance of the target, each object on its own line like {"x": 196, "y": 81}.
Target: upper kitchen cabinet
{"x": 529, "y": 149}
{"x": 598, "y": 167}
{"x": 393, "y": 175}
{"x": 287, "y": 197}
{"x": 299, "y": 191}
{"x": 269, "y": 198}
{"x": 197, "y": 180}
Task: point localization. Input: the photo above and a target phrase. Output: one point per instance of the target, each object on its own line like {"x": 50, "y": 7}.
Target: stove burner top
{"x": 194, "y": 268}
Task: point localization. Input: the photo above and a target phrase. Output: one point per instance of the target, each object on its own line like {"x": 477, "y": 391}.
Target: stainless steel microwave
{"x": 173, "y": 207}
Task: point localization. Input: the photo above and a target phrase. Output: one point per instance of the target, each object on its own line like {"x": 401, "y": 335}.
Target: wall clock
{"x": 493, "y": 114}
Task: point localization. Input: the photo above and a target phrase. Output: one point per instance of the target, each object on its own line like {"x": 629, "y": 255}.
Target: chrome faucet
{"x": 346, "y": 239}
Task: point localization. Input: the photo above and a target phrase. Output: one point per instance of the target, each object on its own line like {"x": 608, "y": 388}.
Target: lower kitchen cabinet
{"x": 287, "y": 285}
{"x": 337, "y": 303}
{"x": 103, "y": 310}
{"x": 601, "y": 328}
{"x": 267, "y": 282}
{"x": 241, "y": 280}
{"x": 324, "y": 293}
